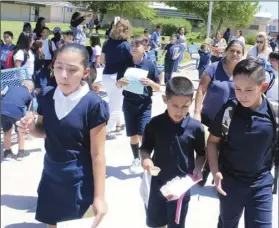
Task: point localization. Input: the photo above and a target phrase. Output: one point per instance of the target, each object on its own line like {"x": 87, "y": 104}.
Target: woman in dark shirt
{"x": 116, "y": 55}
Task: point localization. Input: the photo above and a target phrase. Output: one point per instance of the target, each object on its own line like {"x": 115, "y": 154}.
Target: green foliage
{"x": 192, "y": 35}
{"x": 242, "y": 13}
{"x": 138, "y": 31}
{"x": 250, "y": 39}
{"x": 120, "y": 8}
{"x": 171, "y": 25}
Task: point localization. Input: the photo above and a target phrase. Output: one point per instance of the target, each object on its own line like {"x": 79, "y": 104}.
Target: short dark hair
{"x": 159, "y": 26}
{"x": 45, "y": 28}
{"x": 95, "y": 40}
{"x": 274, "y": 55}
{"x": 9, "y": 33}
{"x": 145, "y": 31}
{"x": 179, "y": 86}
{"x": 251, "y": 68}
{"x": 68, "y": 33}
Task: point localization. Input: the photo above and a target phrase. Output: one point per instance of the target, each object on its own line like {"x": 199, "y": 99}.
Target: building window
{"x": 254, "y": 27}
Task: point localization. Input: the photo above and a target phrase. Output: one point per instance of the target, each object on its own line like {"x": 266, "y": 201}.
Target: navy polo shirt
{"x": 149, "y": 66}
{"x": 247, "y": 155}
{"x": 15, "y": 101}
{"x": 172, "y": 50}
{"x": 173, "y": 144}
{"x": 117, "y": 57}
{"x": 219, "y": 91}
{"x": 69, "y": 138}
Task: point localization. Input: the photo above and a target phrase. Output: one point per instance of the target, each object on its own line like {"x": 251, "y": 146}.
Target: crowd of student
{"x": 75, "y": 121}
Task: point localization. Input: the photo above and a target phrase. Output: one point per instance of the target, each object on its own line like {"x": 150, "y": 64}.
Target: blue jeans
{"x": 179, "y": 59}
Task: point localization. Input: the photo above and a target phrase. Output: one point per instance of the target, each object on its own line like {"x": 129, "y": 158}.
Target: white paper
{"x": 84, "y": 223}
{"x": 134, "y": 75}
{"x": 178, "y": 186}
{"x": 145, "y": 188}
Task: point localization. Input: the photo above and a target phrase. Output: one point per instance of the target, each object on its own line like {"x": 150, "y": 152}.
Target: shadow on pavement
{"x": 26, "y": 225}
{"x": 19, "y": 202}
{"x": 207, "y": 191}
{"x": 118, "y": 173}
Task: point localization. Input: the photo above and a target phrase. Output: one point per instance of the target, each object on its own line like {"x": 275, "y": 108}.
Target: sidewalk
{"x": 19, "y": 182}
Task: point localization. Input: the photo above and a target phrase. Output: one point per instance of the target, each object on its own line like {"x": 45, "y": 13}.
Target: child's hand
{"x": 122, "y": 82}
{"x": 218, "y": 183}
{"x": 197, "y": 174}
{"x": 146, "y": 81}
{"x": 26, "y": 124}
{"x": 148, "y": 165}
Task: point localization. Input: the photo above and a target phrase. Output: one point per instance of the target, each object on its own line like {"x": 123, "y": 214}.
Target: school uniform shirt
{"x": 68, "y": 121}
{"x": 117, "y": 57}
{"x": 29, "y": 63}
{"x": 173, "y": 145}
{"x": 5, "y": 50}
{"x": 241, "y": 39}
{"x": 172, "y": 51}
{"x": 15, "y": 101}
{"x": 46, "y": 50}
{"x": 149, "y": 66}
{"x": 97, "y": 51}
{"x": 156, "y": 38}
{"x": 253, "y": 51}
{"x": 220, "y": 89}
{"x": 79, "y": 34}
{"x": 247, "y": 155}
{"x": 204, "y": 59}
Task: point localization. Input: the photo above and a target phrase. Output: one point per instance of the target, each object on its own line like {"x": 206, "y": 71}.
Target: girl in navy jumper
{"x": 73, "y": 121}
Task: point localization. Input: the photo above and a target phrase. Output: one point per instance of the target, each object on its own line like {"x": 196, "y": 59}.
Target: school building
{"x": 24, "y": 10}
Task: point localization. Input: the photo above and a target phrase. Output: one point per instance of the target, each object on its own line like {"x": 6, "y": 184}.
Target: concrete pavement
{"x": 19, "y": 181}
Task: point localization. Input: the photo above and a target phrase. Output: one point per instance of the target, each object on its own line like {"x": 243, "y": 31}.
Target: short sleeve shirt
{"x": 174, "y": 145}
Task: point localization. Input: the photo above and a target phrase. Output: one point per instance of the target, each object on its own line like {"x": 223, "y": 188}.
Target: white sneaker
{"x": 136, "y": 168}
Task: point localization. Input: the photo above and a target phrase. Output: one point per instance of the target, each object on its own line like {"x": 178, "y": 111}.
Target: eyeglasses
{"x": 259, "y": 42}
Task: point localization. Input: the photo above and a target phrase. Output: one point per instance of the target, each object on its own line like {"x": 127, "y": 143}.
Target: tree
{"x": 133, "y": 9}
{"x": 242, "y": 13}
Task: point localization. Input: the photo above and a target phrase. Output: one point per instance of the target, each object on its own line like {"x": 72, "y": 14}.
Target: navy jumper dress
{"x": 66, "y": 188}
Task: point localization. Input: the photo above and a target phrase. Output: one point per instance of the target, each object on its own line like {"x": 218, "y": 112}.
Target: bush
{"x": 250, "y": 39}
{"x": 138, "y": 31}
{"x": 171, "y": 25}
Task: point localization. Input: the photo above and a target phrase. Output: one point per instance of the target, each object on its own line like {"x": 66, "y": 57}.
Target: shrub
{"x": 138, "y": 31}
{"x": 171, "y": 25}
{"x": 250, "y": 39}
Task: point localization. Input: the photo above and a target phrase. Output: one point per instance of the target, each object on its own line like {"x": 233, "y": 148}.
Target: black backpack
{"x": 273, "y": 111}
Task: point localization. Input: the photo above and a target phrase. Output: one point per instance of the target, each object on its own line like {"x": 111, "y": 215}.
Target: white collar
{"x": 77, "y": 95}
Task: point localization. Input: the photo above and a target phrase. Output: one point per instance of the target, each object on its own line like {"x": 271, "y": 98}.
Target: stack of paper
{"x": 175, "y": 188}
{"x": 84, "y": 223}
{"x": 134, "y": 75}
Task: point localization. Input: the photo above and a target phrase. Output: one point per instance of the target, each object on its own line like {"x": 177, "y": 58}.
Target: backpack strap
{"x": 273, "y": 110}
{"x": 227, "y": 118}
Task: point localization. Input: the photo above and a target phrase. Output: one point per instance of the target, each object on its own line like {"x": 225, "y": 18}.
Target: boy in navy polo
{"x": 137, "y": 108}
{"x": 7, "y": 47}
{"x": 155, "y": 40}
{"x": 242, "y": 173}
{"x": 173, "y": 52}
{"x": 13, "y": 104}
{"x": 173, "y": 137}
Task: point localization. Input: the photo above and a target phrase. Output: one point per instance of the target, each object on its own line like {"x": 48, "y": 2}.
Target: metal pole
{"x": 209, "y": 19}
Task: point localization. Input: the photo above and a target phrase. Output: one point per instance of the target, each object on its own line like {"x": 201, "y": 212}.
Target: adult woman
{"x": 74, "y": 164}
{"x": 22, "y": 55}
{"x": 217, "y": 86}
{"x": 218, "y": 46}
{"x": 78, "y": 27}
{"x": 260, "y": 49}
{"x": 239, "y": 36}
{"x": 116, "y": 55}
{"x": 39, "y": 25}
{"x": 182, "y": 42}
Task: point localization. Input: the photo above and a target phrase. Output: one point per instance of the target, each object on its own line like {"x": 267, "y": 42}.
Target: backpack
{"x": 10, "y": 59}
{"x": 273, "y": 111}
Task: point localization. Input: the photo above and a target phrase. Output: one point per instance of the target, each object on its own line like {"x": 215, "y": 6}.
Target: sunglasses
{"x": 259, "y": 42}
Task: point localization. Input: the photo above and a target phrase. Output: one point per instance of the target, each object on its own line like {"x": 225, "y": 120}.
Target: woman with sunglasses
{"x": 260, "y": 49}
